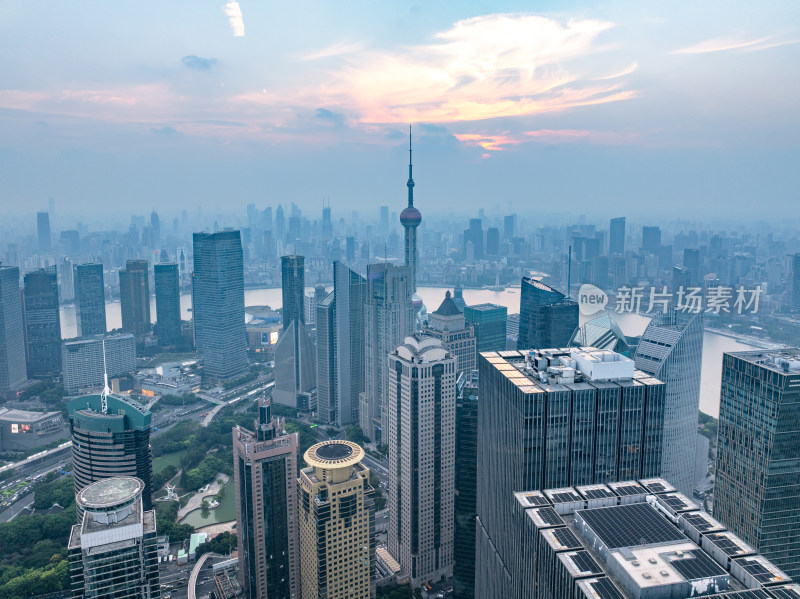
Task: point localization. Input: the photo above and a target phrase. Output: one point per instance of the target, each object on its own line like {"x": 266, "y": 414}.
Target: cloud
{"x": 198, "y": 63}
{"x": 626, "y": 71}
{"x": 337, "y": 49}
{"x": 723, "y": 44}
{"x": 502, "y": 141}
{"x": 165, "y": 131}
{"x": 234, "y": 13}
{"x": 480, "y": 68}
{"x": 330, "y": 116}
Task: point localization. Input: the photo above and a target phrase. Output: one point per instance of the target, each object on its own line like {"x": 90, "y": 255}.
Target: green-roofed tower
{"x": 114, "y": 442}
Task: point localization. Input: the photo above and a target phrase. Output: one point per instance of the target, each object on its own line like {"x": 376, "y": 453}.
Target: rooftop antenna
{"x": 106, "y": 390}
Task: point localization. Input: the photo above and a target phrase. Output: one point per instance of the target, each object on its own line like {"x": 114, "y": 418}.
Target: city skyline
{"x": 626, "y": 94}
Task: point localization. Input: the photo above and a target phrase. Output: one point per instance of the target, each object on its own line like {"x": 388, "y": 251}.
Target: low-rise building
{"x": 21, "y": 430}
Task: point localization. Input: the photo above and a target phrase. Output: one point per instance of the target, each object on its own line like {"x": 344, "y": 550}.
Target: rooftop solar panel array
{"x": 549, "y": 516}
{"x": 630, "y": 526}
{"x": 696, "y": 564}
{"x": 595, "y": 493}
{"x": 564, "y": 538}
{"x": 791, "y": 591}
{"x": 537, "y": 500}
{"x": 585, "y": 563}
{"x": 628, "y": 489}
{"x": 677, "y": 502}
{"x": 657, "y": 485}
{"x": 755, "y": 567}
{"x": 701, "y": 521}
{"x": 727, "y": 543}
{"x": 748, "y": 594}
{"x": 565, "y": 497}
{"x": 604, "y": 588}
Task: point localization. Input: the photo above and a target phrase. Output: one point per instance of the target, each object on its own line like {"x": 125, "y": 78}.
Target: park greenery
{"x": 222, "y": 544}
{"x": 709, "y": 427}
{"x": 166, "y": 516}
{"x": 33, "y": 548}
{"x": 179, "y": 400}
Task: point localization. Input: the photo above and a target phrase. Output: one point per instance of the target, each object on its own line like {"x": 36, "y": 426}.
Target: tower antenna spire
{"x": 106, "y": 390}
{"x": 410, "y": 183}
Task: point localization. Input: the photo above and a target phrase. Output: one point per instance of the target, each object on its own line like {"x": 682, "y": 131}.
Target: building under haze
{"x": 616, "y": 238}
{"x": 113, "y": 550}
{"x": 757, "y": 487}
{"x": 265, "y": 481}
{"x": 43, "y": 231}
{"x": 555, "y": 418}
{"x": 388, "y": 319}
{"x": 42, "y": 322}
{"x": 466, "y": 484}
{"x": 292, "y": 288}
{"x": 13, "y": 369}
{"x": 421, "y": 438}
{"x": 168, "y": 304}
{"x": 218, "y": 304}
{"x": 110, "y": 436}
{"x": 336, "y": 523}
{"x": 671, "y": 350}
{"x": 134, "y": 296}
{"x": 547, "y": 318}
{"x": 90, "y": 300}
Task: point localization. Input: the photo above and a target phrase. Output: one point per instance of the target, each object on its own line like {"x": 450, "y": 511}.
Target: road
{"x": 15, "y": 509}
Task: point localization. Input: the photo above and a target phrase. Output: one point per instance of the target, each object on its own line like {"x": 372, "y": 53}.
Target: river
{"x": 631, "y": 324}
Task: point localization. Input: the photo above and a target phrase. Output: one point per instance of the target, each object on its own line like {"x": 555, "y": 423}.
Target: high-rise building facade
{"x": 349, "y": 289}
{"x": 292, "y": 288}
{"x": 757, "y": 488}
{"x": 671, "y": 350}
{"x": 466, "y": 485}
{"x": 411, "y": 218}
{"x": 113, "y": 551}
{"x": 265, "y": 475}
{"x": 547, "y": 318}
{"x": 651, "y": 239}
{"x": 13, "y": 369}
{"x": 83, "y": 360}
{"x": 795, "y": 291}
{"x": 616, "y": 238}
{"x": 168, "y": 304}
{"x": 555, "y": 418}
{"x": 337, "y": 523}
{"x": 90, "y": 300}
{"x": 43, "y": 231}
{"x": 388, "y": 319}
{"x": 326, "y": 359}
{"x": 218, "y": 304}
{"x": 295, "y": 369}
{"x": 134, "y": 296}
{"x": 42, "y": 322}
{"x": 447, "y": 323}
{"x": 421, "y": 439}
{"x": 110, "y": 437}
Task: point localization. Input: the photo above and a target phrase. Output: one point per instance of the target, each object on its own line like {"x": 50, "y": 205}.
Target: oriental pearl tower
{"x": 410, "y": 218}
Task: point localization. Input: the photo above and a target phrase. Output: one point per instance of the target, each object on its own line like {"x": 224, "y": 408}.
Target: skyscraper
{"x": 295, "y": 373}
{"x": 553, "y": 418}
{"x": 474, "y": 235}
{"x": 757, "y": 489}
{"x": 83, "y": 361}
{"x": 113, "y": 551}
{"x": 218, "y": 304}
{"x": 168, "y": 304}
{"x": 795, "y": 292}
{"x": 90, "y": 299}
{"x": 110, "y": 437}
{"x": 66, "y": 271}
{"x": 292, "y": 288}
{"x": 421, "y": 438}
{"x": 388, "y": 319}
{"x": 671, "y": 350}
{"x": 337, "y": 523}
{"x": 546, "y": 317}
{"x": 447, "y": 323}
{"x": 349, "y": 289}
{"x": 43, "y": 231}
{"x": 411, "y": 218}
{"x": 43, "y": 322}
{"x": 134, "y": 295}
{"x": 265, "y": 471}
{"x": 489, "y": 323}
{"x": 616, "y": 238}
{"x": 155, "y": 230}
{"x": 509, "y": 223}
{"x": 466, "y": 485}
{"x": 492, "y": 241}
{"x": 326, "y": 359}
{"x": 12, "y": 332}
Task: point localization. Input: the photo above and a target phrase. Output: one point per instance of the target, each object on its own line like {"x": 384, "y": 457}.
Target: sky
{"x": 622, "y": 107}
